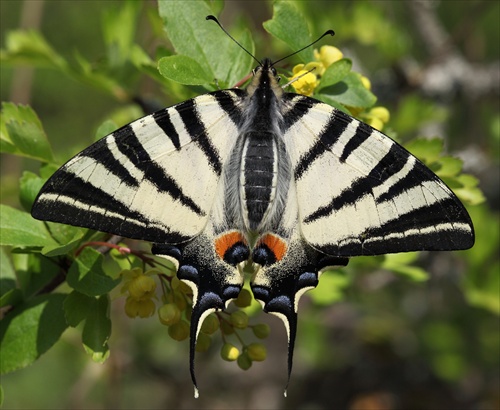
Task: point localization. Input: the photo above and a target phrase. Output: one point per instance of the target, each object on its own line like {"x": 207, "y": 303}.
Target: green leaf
{"x": 118, "y": 28}
{"x": 290, "y": 26}
{"x": 34, "y": 272}
{"x": 351, "y": 92}
{"x": 28, "y": 331}
{"x": 97, "y": 330}
{"x": 77, "y": 307}
{"x": 87, "y": 276}
{"x": 184, "y": 70}
{"x": 335, "y": 73}
{"x": 20, "y": 230}
{"x": 195, "y": 37}
{"x": 400, "y": 263}
{"x": 23, "y": 134}
{"x": 427, "y": 150}
{"x": 469, "y": 192}
{"x": 30, "y": 48}
{"x": 66, "y": 246}
{"x": 450, "y": 167}
{"x": 9, "y": 294}
{"x": 29, "y": 187}
{"x": 106, "y": 128}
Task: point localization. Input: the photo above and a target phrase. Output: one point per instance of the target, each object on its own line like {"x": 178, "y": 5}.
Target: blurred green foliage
{"x": 434, "y": 316}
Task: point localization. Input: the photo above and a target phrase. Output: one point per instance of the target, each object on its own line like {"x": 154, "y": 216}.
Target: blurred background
{"x": 389, "y": 342}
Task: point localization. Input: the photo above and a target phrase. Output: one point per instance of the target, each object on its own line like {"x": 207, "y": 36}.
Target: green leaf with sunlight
{"x": 22, "y": 133}
{"x": 20, "y": 230}
{"x": 31, "y": 48}
{"x": 118, "y": 26}
{"x": 195, "y": 37}
{"x": 184, "y": 70}
{"x": 350, "y": 92}
{"x": 289, "y": 25}
{"x": 334, "y": 73}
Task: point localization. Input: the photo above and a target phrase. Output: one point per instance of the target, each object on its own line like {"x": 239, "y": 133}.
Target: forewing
{"x": 154, "y": 179}
{"x": 360, "y": 193}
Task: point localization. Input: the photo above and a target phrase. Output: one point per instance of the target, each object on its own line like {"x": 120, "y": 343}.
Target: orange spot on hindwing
{"x": 270, "y": 249}
{"x": 232, "y": 247}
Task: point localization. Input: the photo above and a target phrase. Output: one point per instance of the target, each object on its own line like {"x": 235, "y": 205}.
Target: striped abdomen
{"x": 258, "y": 177}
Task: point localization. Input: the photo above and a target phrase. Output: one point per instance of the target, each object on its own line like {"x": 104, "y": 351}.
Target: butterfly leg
{"x": 208, "y": 265}
{"x": 287, "y": 271}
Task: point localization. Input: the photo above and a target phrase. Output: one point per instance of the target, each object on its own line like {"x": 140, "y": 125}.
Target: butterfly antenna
{"x": 329, "y": 32}
{"x": 232, "y": 38}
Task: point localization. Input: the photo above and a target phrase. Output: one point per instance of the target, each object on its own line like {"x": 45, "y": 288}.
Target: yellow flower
{"x": 306, "y": 82}
{"x": 142, "y": 287}
{"x": 327, "y": 55}
{"x": 128, "y": 275}
{"x": 381, "y": 113}
{"x": 142, "y": 308}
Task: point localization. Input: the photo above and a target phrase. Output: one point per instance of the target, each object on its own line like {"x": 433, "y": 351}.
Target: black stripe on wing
{"x": 441, "y": 226}
{"x": 162, "y": 119}
{"x": 101, "y": 154}
{"x": 300, "y": 107}
{"x": 95, "y": 210}
{"x": 226, "y": 101}
{"x": 388, "y": 166}
{"x": 197, "y": 131}
{"x": 130, "y": 146}
{"x": 331, "y": 133}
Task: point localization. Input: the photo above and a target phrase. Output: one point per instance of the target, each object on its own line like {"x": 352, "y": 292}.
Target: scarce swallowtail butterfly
{"x": 263, "y": 178}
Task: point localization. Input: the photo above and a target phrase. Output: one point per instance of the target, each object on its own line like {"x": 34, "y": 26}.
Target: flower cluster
{"x": 140, "y": 287}
{"x": 307, "y": 77}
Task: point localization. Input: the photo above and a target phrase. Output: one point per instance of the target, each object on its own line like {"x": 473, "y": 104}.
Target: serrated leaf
{"x": 76, "y": 307}
{"x": 184, "y": 70}
{"x": 289, "y": 25}
{"x": 335, "y": 73}
{"x": 86, "y": 275}
{"x": 19, "y": 229}
{"x": 24, "y": 134}
{"x": 97, "y": 330}
{"x": 195, "y": 37}
{"x": 351, "y": 92}
{"x": 28, "y": 331}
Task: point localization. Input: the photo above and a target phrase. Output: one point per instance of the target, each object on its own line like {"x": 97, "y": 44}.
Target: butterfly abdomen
{"x": 258, "y": 177}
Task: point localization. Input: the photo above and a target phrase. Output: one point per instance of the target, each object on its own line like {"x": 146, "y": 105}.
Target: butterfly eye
{"x": 273, "y": 71}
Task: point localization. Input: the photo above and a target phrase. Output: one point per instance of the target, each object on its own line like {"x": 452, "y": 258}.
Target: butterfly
{"x": 263, "y": 179}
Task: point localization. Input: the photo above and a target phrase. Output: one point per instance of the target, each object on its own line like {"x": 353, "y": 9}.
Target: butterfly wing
{"x": 153, "y": 179}
{"x": 360, "y": 193}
